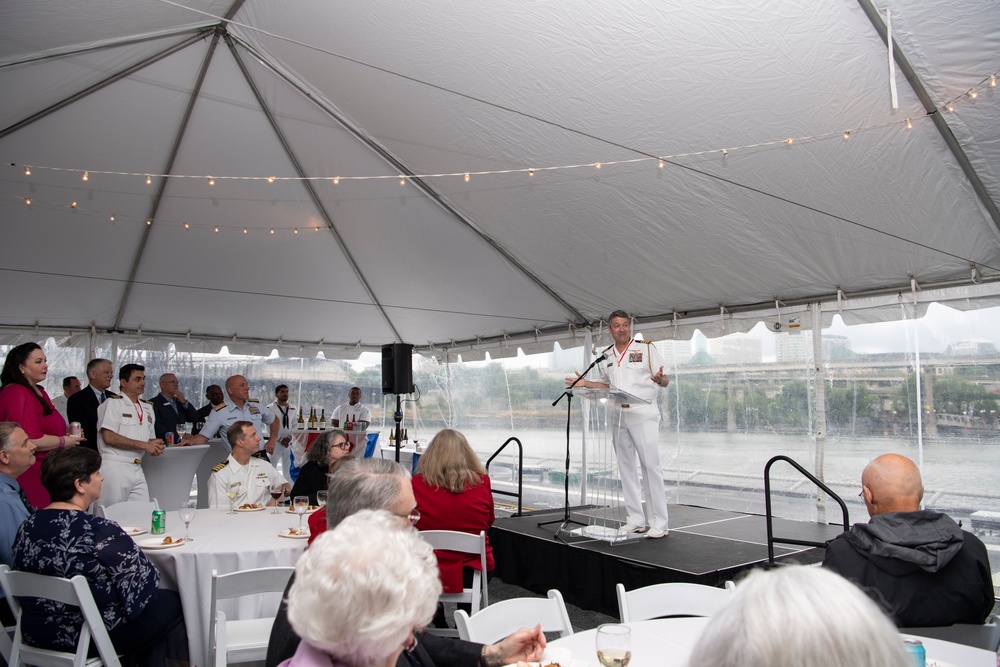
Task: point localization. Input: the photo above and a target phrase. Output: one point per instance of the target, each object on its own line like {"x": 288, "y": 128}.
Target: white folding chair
{"x": 502, "y": 618}
{"x": 674, "y": 599}
{"x": 242, "y": 640}
{"x": 74, "y": 592}
{"x": 476, "y": 595}
{"x": 137, "y": 513}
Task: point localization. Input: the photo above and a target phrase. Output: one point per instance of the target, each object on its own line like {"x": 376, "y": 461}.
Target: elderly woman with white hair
{"x": 360, "y": 591}
{"x": 799, "y": 616}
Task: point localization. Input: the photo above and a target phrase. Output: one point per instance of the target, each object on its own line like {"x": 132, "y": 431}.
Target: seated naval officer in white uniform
{"x": 125, "y": 434}
{"x": 253, "y": 475}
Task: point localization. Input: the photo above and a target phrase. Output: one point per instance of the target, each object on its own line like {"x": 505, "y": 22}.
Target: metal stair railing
{"x": 771, "y": 539}
{"x": 520, "y": 467}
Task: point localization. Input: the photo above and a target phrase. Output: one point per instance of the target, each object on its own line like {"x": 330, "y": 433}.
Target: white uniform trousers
{"x": 123, "y": 480}
{"x": 635, "y": 443}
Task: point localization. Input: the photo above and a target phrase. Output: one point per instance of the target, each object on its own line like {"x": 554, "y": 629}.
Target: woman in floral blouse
{"x": 63, "y": 540}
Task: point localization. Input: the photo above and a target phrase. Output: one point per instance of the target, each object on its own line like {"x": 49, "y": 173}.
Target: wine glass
{"x": 614, "y": 645}
{"x": 187, "y": 512}
{"x": 321, "y": 498}
{"x": 232, "y": 491}
{"x": 276, "y": 491}
{"x": 182, "y": 430}
{"x": 301, "y": 505}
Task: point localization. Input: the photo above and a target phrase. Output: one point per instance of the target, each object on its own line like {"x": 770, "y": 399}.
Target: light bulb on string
{"x": 244, "y": 231}
{"x": 950, "y": 108}
{"x": 216, "y": 229}
{"x": 847, "y": 135}
{"x": 993, "y": 81}
{"x": 112, "y": 218}
{"x": 73, "y": 205}
{"x": 402, "y": 181}
{"x": 270, "y": 179}
{"x": 211, "y": 181}
{"x": 466, "y": 177}
{"x": 27, "y": 170}
{"x": 272, "y": 231}
{"x": 149, "y": 221}
{"x": 336, "y": 180}
{"x": 86, "y": 176}
{"x": 149, "y": 179}
{"x": 597, "y": 165}
{"x": 296, "y": 230}
{"x": 972, "y": 94}
{"x": 531, "y": 172}
{"x": 725, "y": 152}
{"x": 909, "y": 124}
{"x": 27, "y": 200}
{"x": 789, "y": 141}
{"x": 187, "y": 225}
{"x": 659, "y": 165}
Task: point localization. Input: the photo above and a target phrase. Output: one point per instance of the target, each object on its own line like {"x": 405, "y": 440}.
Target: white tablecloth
{"x": 218, "y": 451}
{"x": 668, "y": 643}
{"x": 227, "y": 543}
{"x": 170, "y": 475}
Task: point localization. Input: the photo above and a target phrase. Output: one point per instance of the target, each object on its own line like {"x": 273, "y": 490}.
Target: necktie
{"x": 173, "y": 403}
{"x": 103, "y": 398}
{"x": 284, "y": 416}
{"x": 24, "y": 499}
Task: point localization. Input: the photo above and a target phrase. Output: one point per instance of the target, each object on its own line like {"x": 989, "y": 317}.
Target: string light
{"x": 336, "y": 180}
{"x": 725, "y": 152}
{"x": 789, "y": 141}
{"x": 187, "y": 225}
{"x": 972, "y": 94}
{"x": 27, "y": 200}
{"x": 659, "y": 164}
{"x": 847, "y": 135}
{"x": 112, "y": 218}
{"x": 950, "y": 108}
{"x": 270, "y": 179}
{"x": 597, "y": 165}
{"x": 73, "y": 205}
{"x": 86, "y": 176}
{"x": 402, "y": 181}
{"x": 149, "y": 179}
{"x": 27, "y": 170}
{"x": 216, "y": 229}
{"x": 244, "y": 231}
{"x": 296, "y": 231}
{"x": 466, "y": 177}
{"x": 149, "y": 221}
{"x": 211, "y": 181}
{"x": 993, "y": 81}
{"x": 272, "y": 231}
{"x": 531, "y": 172}
{"x": 909, "y": 124}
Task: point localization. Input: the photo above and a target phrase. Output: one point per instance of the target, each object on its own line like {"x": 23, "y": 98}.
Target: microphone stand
{"x": 566, "y": 520}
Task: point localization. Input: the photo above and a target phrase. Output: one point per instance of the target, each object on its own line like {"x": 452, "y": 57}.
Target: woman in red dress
{"x": 453, "y": 493}
{"x": 22, "y": 400}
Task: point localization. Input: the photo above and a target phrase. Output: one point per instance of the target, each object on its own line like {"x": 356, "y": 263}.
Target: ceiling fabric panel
{"x": 498, "y": 170}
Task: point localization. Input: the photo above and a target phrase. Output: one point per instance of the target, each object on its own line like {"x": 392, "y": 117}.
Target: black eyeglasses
{"x": 343, "y": 445}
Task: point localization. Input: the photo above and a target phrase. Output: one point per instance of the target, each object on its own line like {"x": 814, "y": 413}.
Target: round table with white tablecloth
{"x": 169, "y": 476}
{"x": 226, "y": 543}
{"x": 667, "y": 642}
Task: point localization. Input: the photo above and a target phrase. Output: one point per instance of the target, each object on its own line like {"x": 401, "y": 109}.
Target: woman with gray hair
{"x": 799, "y": 616}
{"x": 325, "y": 455}
{"x": 360, "y": 591}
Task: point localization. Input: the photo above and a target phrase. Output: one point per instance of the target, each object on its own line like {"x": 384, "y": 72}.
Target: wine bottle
{"x": 301, "y": 423}
{"x": 322, "y": 420}
{"x": 312, "y": 418}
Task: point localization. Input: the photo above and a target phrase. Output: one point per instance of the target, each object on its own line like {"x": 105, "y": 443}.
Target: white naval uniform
{"x": 122, "y": 468}
{"x": 635, "y": 431}
{"x": 348, "y": 412}
{"x": 281, "y": 451}
{"x": 253, "y": 479}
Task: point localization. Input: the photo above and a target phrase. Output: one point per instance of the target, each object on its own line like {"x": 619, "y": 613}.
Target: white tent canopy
{"x": 700, "y": 209}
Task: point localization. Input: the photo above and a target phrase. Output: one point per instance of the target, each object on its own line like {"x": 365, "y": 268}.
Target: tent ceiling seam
{"x": 429, "y": 192}
{"x": 161, "y": 188}
{"x": 117, "y": 76}
{"x": 308, "y": 186}
{"x": 932, "y": 110}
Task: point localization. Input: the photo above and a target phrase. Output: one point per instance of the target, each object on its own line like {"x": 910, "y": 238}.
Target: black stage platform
{"x": 704, "y": 546}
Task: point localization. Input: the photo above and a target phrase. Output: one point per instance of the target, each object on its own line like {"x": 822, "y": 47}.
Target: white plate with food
{"x": 294, "y": 534}
{"x": 250, "y": 507}
{"x": 133, "y": 531}
{"x": 166, "y": 542}
{"x": 310, "y": 510}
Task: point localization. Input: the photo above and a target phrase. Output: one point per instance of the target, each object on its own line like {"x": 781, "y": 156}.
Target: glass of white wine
{"x": 187, "y": 512}
{"x": 614, "y": 645}
{"x": 321, "y": 498}
{"x": 232, "y": 491}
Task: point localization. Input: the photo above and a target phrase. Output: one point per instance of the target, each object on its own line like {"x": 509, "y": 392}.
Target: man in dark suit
{"x": 82, "y": 406}
{"x": 215, "y": 396}
{"x": 170, "y": 407}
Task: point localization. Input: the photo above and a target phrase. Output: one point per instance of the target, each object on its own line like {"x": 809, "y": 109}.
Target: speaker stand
{"x": 398, "y": 416}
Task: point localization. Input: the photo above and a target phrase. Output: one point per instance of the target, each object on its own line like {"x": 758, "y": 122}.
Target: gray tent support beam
{"x": 425, "y": 189}
{"x": 932, "y": 110}
{"x": 117, "y": 76}
{"x": 162, "y": 186}
{"x": 307, "y": 184}
{"x": 76, "y": 51}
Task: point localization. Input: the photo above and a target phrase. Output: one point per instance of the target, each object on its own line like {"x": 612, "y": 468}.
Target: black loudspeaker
{"x": 397, "y": 368}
